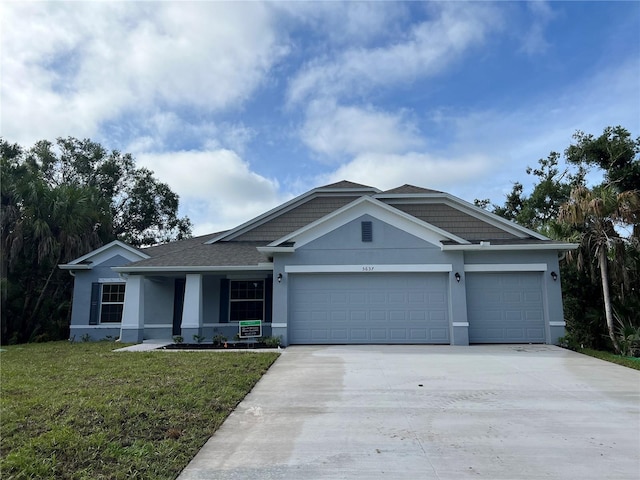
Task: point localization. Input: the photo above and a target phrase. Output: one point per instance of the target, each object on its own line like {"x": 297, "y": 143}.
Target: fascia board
{"x": 376, "y": 208}
{"x": 469, "y": 208}
{"x": 198, "y": 269}
{"x": 276, "y": 249}
{"x": 116, "y": 243}
{"x": 68, "y": 266}
{"x": 528, "y": 246}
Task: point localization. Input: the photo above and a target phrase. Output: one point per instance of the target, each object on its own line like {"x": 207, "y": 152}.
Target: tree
{"x": 58, "y": 203}
{"x": 144, "y": 210}
{"x": 597, "y": 213}
{"x": 603, "y": 218}
{"x": 615, "y": 152}
{"x": 538, "y": 210}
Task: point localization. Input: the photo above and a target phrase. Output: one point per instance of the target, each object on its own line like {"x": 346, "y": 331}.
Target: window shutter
{"x": 94, "y": 313}
{"x": 224, "y": 301}
{"x": 367, "y": 232}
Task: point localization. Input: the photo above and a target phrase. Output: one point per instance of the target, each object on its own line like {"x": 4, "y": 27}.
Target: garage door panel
{"x": 378, "y": 297}
{"x": 379, "y": 308}
{"x": 505, "y": 307}
{"x": 534, "y": 316}
{"x": 398, "y": 298}
{"x": 338, "y": 299}
{"x": 416, "y": 297}
{"x": 438, "y": 335}
{"x": 378, "y": 334}
{"x": 339, "y": 315}
{"x": 357, "y": 298}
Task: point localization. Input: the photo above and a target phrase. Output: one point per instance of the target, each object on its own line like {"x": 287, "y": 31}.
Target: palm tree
{"x": 55, "y": 225}
{"x": 599, "y": 215}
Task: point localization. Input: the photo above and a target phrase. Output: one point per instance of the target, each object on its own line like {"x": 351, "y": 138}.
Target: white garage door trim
{"x": 506, "y": 267}
{"x": 437, "y": 267}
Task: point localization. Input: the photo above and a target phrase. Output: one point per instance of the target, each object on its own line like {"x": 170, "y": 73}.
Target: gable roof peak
{"x": 407, "y": 188}
{"x": 346, "y": 184}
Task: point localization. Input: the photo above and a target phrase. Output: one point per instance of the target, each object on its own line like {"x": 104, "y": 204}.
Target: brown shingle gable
{"x": 454, "y": 221}
{"x": 295, "y": 218}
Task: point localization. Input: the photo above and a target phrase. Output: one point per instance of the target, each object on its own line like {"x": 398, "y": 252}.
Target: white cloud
{"x": 69, "y": 67}
{"x": 217, "y": 189}
{"x": 426, "y": 50}
{"x": 387, "y": 171}
{"x": 345, "y": 23}
{"x": 533, "y": 40}
{"x": 335, "y": 130}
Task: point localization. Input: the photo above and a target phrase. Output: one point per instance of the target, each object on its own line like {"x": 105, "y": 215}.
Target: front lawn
{"x": 81, "y": 411}
{"x": 630, "y": 362}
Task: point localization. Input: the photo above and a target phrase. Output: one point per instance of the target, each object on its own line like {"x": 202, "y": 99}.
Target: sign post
{"x": 250, "y": 328}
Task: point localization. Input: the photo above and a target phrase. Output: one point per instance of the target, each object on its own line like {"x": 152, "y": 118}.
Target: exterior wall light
{"x": 554, "y": 275}
{"x": 279, "y": 278}
{"x": 457, "y": 275}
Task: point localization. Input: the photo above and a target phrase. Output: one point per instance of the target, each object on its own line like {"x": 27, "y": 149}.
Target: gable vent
{"x": 367, "y": 232}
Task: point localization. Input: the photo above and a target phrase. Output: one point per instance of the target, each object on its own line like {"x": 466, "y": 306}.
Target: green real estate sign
{"x": 250, "y": 328}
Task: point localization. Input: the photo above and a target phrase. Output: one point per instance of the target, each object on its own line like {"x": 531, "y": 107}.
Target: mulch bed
{"x": 211, "y": 346}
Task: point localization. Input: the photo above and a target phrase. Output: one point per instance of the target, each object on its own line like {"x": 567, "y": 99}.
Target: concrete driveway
{"x": 431, "y": 412}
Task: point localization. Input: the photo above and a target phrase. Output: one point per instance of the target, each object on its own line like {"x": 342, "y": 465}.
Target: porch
{"x": 193, "y": 305}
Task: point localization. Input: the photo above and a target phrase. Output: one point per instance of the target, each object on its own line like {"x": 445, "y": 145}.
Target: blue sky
{"x": 240, "y": 106}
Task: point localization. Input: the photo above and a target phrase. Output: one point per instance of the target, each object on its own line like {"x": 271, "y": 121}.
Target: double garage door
{"x": 412, "y": 308}
{"x": 368, "y": 308}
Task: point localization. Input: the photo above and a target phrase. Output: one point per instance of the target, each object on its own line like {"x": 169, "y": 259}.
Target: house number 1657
{"x": 367, "y": 269}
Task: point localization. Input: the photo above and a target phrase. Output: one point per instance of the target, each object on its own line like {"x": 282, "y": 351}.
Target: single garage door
{"x": 368, "y": 308}
{"x": 505, "y": 307}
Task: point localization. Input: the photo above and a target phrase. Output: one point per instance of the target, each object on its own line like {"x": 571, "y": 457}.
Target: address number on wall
{"x": 367, "y": 269}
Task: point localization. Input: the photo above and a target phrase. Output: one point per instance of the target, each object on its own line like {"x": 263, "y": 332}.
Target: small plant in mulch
{"x": 199, "y": 338}
{"x": 178, "y": 339}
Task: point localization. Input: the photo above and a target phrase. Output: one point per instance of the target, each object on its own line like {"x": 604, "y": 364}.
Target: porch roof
{"x": 195, "y": 254}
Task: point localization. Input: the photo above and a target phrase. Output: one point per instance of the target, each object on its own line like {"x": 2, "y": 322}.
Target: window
{"x": 246, "y": 300}
{"x": 367, "y": 231}
{"x": 112, "y": 303}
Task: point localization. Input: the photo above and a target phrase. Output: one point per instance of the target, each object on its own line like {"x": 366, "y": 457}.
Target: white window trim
{"x": 263, "y": 299}
{"x": 102, "y": 285}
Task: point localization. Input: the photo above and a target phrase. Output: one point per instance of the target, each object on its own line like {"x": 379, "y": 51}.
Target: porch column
{"x": 192, "y": 310}
{"x": 132, "y": 327}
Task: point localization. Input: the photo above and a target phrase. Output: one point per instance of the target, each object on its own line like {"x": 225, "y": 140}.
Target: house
{"x": 342, "y": 264}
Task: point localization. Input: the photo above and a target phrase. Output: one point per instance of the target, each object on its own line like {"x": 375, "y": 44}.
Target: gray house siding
{"x": 158, "y": 307}
{"x": 81, "y": 304}
{"x": 441, "y": 306}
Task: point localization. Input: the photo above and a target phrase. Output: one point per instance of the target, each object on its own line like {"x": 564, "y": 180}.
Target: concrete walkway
{"x": 431, "y": 412}
{"x": 146, "y": 346}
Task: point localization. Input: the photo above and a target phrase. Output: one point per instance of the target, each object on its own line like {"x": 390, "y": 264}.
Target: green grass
{"x": 630, "y": 362}
{"x": 81, "y": 411}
